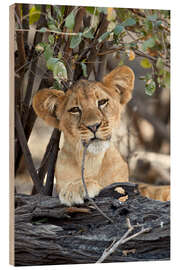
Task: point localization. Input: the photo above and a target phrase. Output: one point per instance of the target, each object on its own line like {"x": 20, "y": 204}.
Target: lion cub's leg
{"x": 74, "y": 193}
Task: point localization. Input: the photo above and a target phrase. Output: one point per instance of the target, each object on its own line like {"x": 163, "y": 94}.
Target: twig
{"x": 140, "y": 14}
{"x": 164, "y": 45}
{"x": 58, "y": 32}
{"x": 92, "y": 22}
{"x": 48, "y": 31}
{"x": 85, "y": 187}
{"x": 107, "y": 252}
{"x": 136, "y": 51}
{"x": 101, "y": 28}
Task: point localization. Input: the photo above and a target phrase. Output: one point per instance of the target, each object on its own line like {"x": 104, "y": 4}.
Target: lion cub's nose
{"x": 94, "y": 127}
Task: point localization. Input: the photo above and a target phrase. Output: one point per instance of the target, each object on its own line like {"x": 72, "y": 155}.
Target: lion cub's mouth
{"x": 98, "y": 145}
{"x": 96, "y": 139}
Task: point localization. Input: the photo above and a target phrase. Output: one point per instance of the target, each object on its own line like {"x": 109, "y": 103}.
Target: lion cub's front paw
{"x": 74, "y": 193}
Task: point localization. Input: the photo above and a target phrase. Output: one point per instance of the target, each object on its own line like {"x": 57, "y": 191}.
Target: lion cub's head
{"x": 88, "y": 111}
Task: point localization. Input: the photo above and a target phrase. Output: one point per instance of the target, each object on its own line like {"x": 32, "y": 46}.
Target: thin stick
{"x": 54, "y": 31}
{"x": 136, "y": 51}
{"x": 85, "y": 187}
{"x": 47, "y": 31}
{"x": 107, "y": 252}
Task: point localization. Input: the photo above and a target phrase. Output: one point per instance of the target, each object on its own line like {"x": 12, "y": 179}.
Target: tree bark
{"x": 48, "y": 233}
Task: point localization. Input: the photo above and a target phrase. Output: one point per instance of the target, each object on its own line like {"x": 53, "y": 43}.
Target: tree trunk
{"x": 48, "y": 233}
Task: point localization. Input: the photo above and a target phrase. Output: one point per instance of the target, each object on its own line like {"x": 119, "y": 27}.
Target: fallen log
{"x": 48, "y": 233}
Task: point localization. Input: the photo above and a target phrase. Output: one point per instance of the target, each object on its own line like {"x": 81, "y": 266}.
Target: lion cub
{"x": 89, "y": 112}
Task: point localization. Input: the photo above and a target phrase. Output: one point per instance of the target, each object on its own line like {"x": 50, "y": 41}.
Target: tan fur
{"x": 76, "y": 113}
{"x": 161, "y": 193}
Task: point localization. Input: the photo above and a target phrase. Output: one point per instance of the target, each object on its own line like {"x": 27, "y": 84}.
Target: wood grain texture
{"x": 48, "y": 233}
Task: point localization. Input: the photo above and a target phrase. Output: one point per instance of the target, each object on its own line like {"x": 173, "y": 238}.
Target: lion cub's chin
{"x": 97, "y": 146}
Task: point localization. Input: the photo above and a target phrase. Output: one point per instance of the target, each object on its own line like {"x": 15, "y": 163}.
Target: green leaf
{"x": 48, "y": 53}
{"x": 56, "y": 85}
{"x": 34, "y": 15}
{"x": 88, "y": 34}
{"x": 60, "y": 55}
{"x": 58, "y": 11}
{"x": 43, "y": 30}
{"x": 51, "y": 39}
{"x": 75, "y": 40}
{"x": 133, "y": 45}
{"x": 70, "y": 21}
{"x": 53, "y": 27}
{"x": 59, "y": 71}
{"x": 150, "y": 87}
{"x": 148, "y": 77}
{"x": 51, "y": 62}
{"x": 62, "y": 10}
{"x": 152, "y": 18}
{"x": 149, "y": 43}
{"x": 148, "y": 26}
{"x": 158, "y": 23}
{"x": 159, "y": 63}
{"x": 51, "y": 20}
{"x": 128, "y": 22}
{"x": 145, "y": 63}
{"x": 118, "y": 29}
{"x": 104, "y": 36}
{"x": 58, "y": 68}
{"x": 84, "y": 69}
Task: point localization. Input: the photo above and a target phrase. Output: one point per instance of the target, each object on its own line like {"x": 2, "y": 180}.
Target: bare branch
{"x": 136, "y": 51}
{"x": 123, "y": 240}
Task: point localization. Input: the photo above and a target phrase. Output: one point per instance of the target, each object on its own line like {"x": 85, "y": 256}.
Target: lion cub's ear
{"x": 47, "y": 104}
{"x": 121, "y": 79}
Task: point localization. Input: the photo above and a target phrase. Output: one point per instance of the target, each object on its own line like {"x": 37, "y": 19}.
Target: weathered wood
{"x": 47, "y": 232}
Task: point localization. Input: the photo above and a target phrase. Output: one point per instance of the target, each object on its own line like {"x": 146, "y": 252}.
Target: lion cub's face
{"x": 89, "y": 115}
{"x": 88, "y": 111}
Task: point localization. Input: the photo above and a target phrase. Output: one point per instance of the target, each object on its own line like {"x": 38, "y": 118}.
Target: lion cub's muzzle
{"x": 98, "y": 140}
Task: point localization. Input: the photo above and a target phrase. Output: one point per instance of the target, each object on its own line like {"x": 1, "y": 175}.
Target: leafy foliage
{"x": 70, "y": 21}
{"x": 132, "y": 32}
{"x": 75, "y": 40}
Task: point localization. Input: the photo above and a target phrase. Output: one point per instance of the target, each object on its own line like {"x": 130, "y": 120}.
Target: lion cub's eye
{"x": 103, "y": 102}
{"x": 75, "y": 110}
